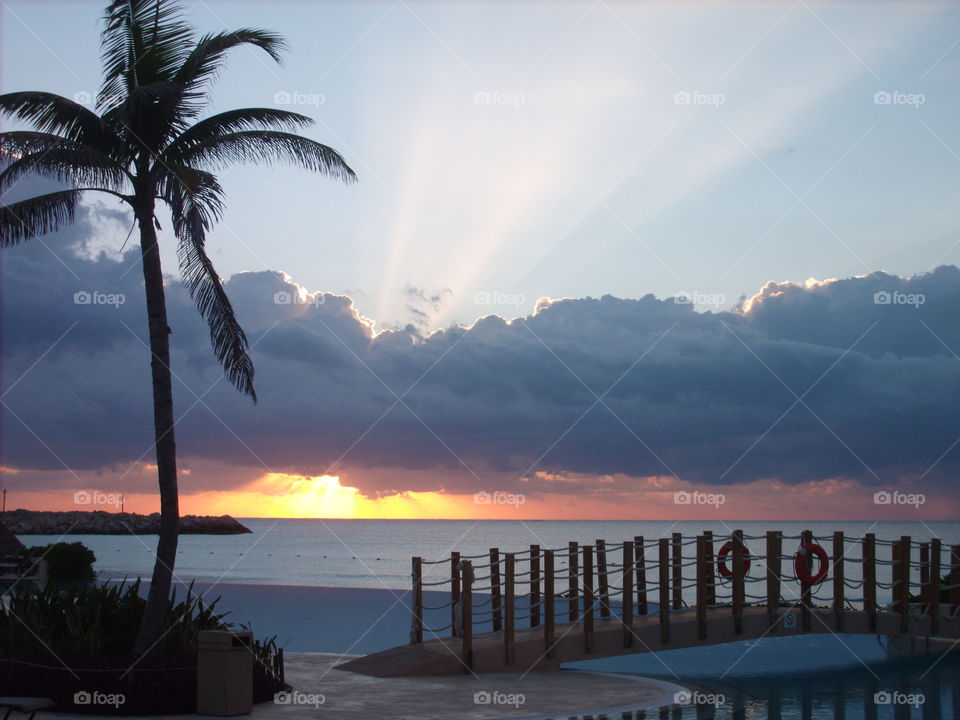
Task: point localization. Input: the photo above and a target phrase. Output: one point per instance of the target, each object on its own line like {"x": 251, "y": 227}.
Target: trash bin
{"x": 224, "y": 673}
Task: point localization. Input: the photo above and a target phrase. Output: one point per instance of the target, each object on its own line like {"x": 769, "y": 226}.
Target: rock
{"x": 98, "y": 522}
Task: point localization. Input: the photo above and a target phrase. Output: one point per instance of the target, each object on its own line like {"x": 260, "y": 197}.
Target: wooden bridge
{"x": 592, "y": 601}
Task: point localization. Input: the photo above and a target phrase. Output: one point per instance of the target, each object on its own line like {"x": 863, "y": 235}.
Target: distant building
{"x": 9, "y": 544}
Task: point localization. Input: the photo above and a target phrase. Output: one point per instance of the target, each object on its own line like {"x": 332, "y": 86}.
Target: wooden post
{"x": 602, "y": 581}
{"x": 806, "y": 591}
{"x": 573, "y": 580}
{"x": 677, "y": 543}
{"x": 702, "y": 569}
{"x": 712, "y": 582}
{"x": 739, "y": 581}
{"x": 454, "y": 591}
{"x": 466, "y": 602}
{"x": 955, "y": 575}
{"x": 774, "y": 550}
{"x": 870, "y": 579}
{"x": 640, "y": 561}
{"x": 664, "y": 567}
{"x": 417, "y": 630}
{"x": 510, "y": 592}
{"x": 549, "y": 611}
{"x": 902, "y": 590}
{"x": 924, "y": 572}
{"x": 497, "y": 611}
{"x": 534, "y": 586}
{"x": 934, "y": 585}
{"x": 588, "y": 598}
{"x": 627, "y": 585}
{"x": 838, "y": 586}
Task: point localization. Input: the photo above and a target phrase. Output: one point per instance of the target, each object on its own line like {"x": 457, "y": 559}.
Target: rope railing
{"x": 620, "y": 581}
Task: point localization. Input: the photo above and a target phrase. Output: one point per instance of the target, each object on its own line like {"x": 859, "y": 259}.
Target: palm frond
{"x": 147, "y": 116}
{"x": 196, "y": 203}
{"x": 39, "y": 215}
{"x": 143, "y": 42}
{"x": 233, "y": 121}
{"x": 69, "y": 162}
{"x": 268, "y": 147}
{"x": 205, "y": 61}
{"x": 52, "y": 113}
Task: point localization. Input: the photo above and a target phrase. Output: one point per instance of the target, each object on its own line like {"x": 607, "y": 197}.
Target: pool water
{"x": 820, "y": 677}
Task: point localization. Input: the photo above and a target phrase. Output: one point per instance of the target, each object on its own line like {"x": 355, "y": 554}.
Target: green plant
{"x": 94, "y": 623}
{"x": 67, "y": 562}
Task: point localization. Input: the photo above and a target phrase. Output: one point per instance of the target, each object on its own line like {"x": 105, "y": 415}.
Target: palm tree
{"x": 146, "y": 143}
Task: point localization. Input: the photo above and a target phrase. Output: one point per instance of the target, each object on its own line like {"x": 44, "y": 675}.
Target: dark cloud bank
{"x": 707, "y": 396}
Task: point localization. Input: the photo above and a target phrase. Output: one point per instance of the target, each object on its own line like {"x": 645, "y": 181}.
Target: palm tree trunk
{"x": 151, "y": 626}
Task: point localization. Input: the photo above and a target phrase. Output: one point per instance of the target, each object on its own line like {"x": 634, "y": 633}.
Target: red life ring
{"x": 722, "y": 560}
{"x": 800, "y": 564}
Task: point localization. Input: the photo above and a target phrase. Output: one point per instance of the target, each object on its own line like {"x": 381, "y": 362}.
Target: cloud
{"x": 813, "y": 381}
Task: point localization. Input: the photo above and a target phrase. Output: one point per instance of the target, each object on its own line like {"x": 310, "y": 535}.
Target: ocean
{"x": 376, "y": 553}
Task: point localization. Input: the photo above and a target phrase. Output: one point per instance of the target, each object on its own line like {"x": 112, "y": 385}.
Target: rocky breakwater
{"x": 97, "y": 522}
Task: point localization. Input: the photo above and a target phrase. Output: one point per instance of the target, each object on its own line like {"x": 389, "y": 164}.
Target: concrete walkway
{"x": 321, "y": 691}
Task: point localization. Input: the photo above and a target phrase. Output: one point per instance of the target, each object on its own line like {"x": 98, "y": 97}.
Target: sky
{"x": 601, "y": 257}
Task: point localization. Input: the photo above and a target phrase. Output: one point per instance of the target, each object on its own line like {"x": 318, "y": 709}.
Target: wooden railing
{"x": 665, "y": 576}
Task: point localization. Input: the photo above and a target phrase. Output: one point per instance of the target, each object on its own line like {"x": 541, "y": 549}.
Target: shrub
{"x": 67, "y": 562}
{"x": 91, "y": 629}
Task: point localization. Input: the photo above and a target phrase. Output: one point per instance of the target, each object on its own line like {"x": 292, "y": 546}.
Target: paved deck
{"x": 442, "y": 656}
{"x": 352, "y": 696}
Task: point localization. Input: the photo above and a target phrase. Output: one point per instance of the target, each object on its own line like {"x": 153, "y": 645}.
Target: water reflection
{"x": 901, "y": 690}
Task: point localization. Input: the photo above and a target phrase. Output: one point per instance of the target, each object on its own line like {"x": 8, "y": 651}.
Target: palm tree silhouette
{"x": 147, "y": 143}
